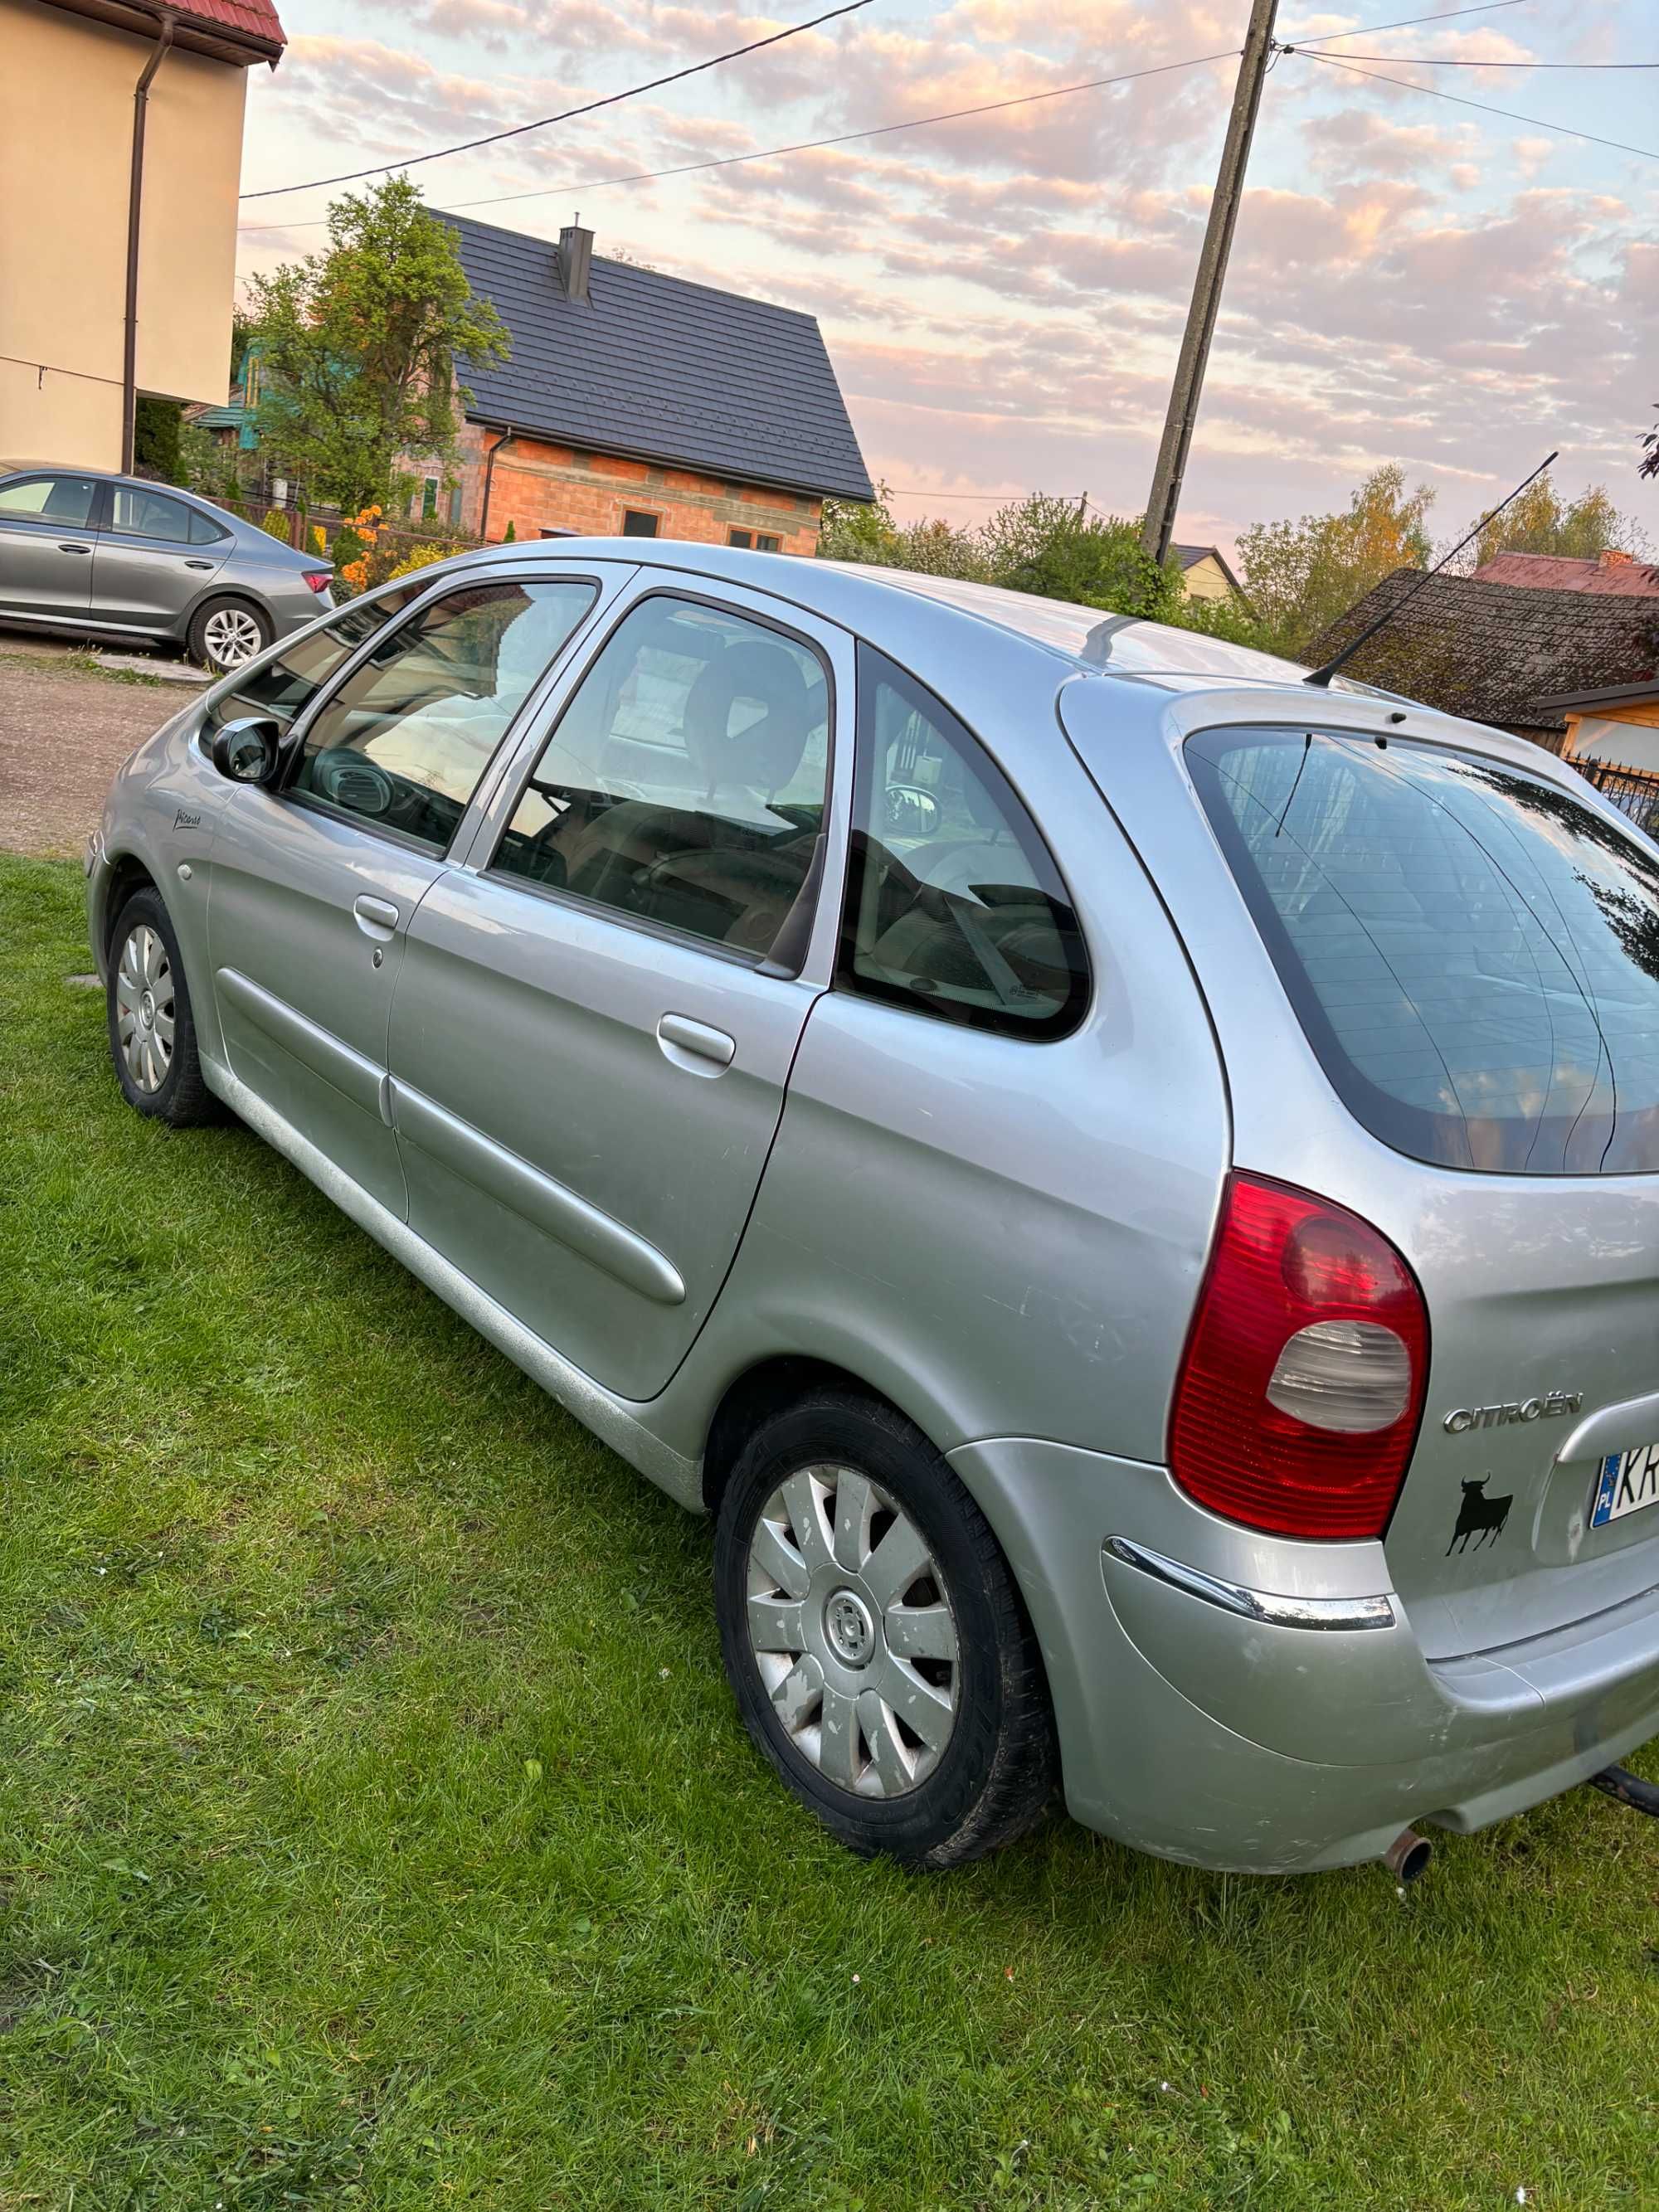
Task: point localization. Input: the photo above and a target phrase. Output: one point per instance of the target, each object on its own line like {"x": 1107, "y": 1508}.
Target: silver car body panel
{"x": 1006, "y": 1238}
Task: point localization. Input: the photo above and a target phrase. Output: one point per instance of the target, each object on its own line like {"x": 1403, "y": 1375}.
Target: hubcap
{"x": 144, "y": 1007}
{"x": 232, "y": 637}
{"x": 852, "y": 1631}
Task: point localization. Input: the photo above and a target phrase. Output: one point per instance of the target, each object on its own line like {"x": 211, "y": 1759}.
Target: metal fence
{"x": 302, "y": 526}
{"x": 1633, "y": 790}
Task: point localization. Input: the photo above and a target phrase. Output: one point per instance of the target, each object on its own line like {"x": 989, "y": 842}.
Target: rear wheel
{"x": 224, "y": 633}
{"x": 875, "y": 1640}
{"x": 152, "y": 1032}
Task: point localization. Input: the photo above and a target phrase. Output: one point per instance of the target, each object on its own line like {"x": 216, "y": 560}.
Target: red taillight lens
{"x": 318, "y": 578}
{"x": 1302, "y": 1387}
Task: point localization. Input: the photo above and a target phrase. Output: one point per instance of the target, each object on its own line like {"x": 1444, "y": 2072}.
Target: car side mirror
{"x": 248, "y": 751}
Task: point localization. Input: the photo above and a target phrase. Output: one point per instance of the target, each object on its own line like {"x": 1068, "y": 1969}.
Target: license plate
{"x": 1629, "y": 1481}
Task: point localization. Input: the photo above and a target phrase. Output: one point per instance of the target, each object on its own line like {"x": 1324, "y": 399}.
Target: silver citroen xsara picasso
{"x": 1128, "y": 1186}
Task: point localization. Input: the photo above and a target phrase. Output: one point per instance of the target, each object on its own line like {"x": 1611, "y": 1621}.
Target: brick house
{"x": 637, "y": 405}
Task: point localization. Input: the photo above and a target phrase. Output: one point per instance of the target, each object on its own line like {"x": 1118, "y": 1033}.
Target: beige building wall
{"x": 1206, "y": 579}
{"x": 65, "y": 151}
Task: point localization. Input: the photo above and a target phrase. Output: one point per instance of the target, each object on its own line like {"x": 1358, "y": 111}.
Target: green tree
{"x": 156, "y": 427}
{"x": 1541, "y": 521}
{"x": 1054, "y": 547}
{"x": 360, "y": 345}
{"x": 1300, "y": 576}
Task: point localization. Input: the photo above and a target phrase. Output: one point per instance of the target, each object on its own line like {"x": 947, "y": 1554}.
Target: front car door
{"x": 315, "y": 885}
{"x": 596, "y": 1015}
{"x": 48, "y": 531}
{"x": 155, "y": 554}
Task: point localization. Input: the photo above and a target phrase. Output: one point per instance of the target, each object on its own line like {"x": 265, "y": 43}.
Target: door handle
{"x": 75, "y": 549}
{"x": 683, "y": 1040}
{"x": 376, "y": 917}
{"x": 198, "y": 564}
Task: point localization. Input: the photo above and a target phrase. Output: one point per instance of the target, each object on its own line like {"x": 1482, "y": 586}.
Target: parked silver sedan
{"x": 1125, "y": 1184}
{"x": 113, "y": 557}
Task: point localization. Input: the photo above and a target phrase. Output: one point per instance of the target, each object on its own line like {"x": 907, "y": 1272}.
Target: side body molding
{"x": 513, "y": 1182}
{"x": 354, "y": 1077}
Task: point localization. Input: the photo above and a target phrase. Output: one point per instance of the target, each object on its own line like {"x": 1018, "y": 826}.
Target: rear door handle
{"x": 684, "y": 1041}
{"x": 75, "y": 549}
{"x": 198, "y": 564}
{"x": 376, "y": 917}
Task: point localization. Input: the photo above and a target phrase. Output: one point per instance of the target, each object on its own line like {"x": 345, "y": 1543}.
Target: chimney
{"x": 575, "y": 255}
{"x": 1610, "y": 559}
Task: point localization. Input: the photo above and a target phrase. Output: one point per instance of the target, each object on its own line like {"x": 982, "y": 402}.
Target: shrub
{"x": 510, "y": 534}
{"x": 274, "y": 524}
{"x": 422, "y": 557}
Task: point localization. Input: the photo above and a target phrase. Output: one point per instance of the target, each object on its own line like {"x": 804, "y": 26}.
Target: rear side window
{"x": 955, "y": 907}
{"x": 1473, "y": 952}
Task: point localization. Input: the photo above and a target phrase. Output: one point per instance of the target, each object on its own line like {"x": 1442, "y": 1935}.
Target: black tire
{"x": 181, "y": 1097}
{"x": 996, "y": 1769}
{"x": 196, "y": 639}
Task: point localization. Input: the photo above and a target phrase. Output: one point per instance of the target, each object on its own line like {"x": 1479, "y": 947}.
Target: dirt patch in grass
{"x": 64, "y": 730}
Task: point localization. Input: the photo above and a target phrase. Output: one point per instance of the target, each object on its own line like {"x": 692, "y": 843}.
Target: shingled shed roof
{"x": 1493, "y": 652}
{"x": 660, "y": 369}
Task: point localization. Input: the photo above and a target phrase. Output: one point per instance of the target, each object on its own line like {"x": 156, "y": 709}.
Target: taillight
{"x": 318, "y": 578}
{"x": 1302, "y": 1387}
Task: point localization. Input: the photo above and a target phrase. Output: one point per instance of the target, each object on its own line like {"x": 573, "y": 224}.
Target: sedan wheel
{"x": 144, "y": 1011}
{"x": 231, "y": 635}
{"x": 851, "y": 1631}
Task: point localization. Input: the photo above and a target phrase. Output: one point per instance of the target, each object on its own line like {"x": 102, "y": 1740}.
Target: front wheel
{"x": 875, "y": 1640}
{"x": 152, "y": 1030}
{"x": 225, "y": 633}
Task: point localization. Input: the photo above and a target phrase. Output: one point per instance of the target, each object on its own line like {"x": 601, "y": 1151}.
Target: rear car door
{"x": 48, "y": 531}
{"x": 154, "y": 554}
{"x": 595, "y": 1016}
{"x": 315, "y": 885}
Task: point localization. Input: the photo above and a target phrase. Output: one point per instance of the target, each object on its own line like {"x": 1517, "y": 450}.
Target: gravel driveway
{"x": 64, "y": 732}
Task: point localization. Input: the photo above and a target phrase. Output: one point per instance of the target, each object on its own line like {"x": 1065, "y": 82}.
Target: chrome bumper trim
{"x": 1273, "y": 1612}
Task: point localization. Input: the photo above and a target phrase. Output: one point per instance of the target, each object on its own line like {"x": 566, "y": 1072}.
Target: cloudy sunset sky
{"x": 1003, "y": 296}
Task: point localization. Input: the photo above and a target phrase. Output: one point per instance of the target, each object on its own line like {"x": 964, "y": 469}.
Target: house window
{"x": 429, "y": 499}
{"x": 744, "y": 537}
{"x": 763, "y": 543}
{"x": 455, "y": 507}
{"x": 638, "y": 522}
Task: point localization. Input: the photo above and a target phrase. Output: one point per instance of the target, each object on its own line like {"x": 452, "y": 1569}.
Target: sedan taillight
{"x": 1302, "y": 1388}
{"x": 318, "y": 578}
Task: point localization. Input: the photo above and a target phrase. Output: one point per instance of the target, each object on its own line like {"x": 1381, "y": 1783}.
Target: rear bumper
{"x": 1202, "y": 1721}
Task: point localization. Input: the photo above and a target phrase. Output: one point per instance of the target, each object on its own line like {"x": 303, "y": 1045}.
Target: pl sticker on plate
{"x": 1629, "y": 1481}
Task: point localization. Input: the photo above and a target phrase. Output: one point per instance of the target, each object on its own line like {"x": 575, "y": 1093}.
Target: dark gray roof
{"x": 1496, "y": 652}
{"x": 1190, "y": 556}
{"x": 661, "y": 369}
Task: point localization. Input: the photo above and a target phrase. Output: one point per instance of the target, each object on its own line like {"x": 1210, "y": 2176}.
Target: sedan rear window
{"x": 1473, "y": 952}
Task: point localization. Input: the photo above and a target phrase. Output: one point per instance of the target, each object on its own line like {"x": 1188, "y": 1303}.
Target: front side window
{"x": 684, "y": 783}
{"x": 1473, "y": 952}
{"x": 144, "y": 514}
{"x": 286, "y": 686}
{"x": 955, "y": 907}
{"x": 65, "y": 500}
{"x": 405, "y": 739}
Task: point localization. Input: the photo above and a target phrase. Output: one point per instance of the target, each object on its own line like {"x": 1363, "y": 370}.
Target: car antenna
{"x": 1323, "y": 676}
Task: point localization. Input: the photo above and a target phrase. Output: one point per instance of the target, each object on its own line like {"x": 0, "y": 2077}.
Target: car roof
{"x": 856, "y": 594}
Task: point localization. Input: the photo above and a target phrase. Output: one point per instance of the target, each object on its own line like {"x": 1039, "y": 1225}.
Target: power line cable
{"x": 1536, "y": 122}
{"x": 1446, "y": 61}
{"x": 1409, "y": 22}
{"x": 803, "y": 146}
{"x": 610, "y": 100}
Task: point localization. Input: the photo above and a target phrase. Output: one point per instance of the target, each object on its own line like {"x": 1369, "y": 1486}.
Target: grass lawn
{"x": 376, "y": 1828}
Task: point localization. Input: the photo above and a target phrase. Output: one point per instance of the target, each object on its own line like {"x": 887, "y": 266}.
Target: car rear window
{"x": 1473, "y": 952}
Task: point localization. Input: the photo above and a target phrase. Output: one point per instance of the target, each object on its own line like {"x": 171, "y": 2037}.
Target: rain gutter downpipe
{"x": 506, "y": 439}
{"x": 134, "y": 206}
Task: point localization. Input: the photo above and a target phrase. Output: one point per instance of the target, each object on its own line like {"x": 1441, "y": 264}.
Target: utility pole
{"x": 1207, "y": 287}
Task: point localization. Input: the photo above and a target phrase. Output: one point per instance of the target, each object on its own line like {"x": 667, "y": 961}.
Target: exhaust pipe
{"x": 1407, "y": 1856}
